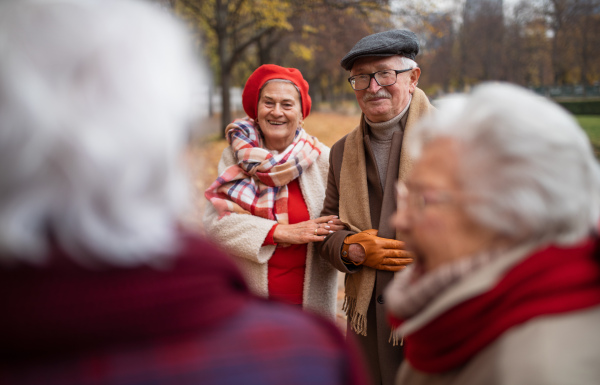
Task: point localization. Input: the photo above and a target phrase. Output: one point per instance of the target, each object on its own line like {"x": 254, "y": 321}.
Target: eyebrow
{"x": 284, "y": 100}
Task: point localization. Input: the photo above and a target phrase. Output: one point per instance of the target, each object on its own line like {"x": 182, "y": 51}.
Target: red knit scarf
{"x": 551, "y": 281}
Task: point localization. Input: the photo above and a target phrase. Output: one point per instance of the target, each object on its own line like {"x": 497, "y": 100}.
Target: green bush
{"x": 582, "y": 107}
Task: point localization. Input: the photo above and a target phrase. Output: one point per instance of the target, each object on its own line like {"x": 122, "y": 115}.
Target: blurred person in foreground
{"x": 99, "y": 283}
{"x": 364, "y": 168}
{"x": 266, "y": 202}
{"x": 501, "y": 211}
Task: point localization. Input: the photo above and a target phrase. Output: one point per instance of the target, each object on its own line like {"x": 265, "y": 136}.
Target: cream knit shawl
{"x": 354, "y": 207}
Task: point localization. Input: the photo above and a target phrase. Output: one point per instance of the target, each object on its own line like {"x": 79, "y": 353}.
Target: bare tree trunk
{"x": 556, "y": 61}
{"x": 222, "y": 40}
{"x": 226, "y": 102}
{"x": 211, "y": 90}
{"x": 586, "y": 29}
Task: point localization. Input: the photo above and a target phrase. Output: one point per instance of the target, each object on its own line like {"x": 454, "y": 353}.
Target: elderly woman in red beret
{"x": 266, "y": 202}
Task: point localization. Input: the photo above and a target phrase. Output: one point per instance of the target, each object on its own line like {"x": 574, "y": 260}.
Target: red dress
{"x": 287, "y": 266}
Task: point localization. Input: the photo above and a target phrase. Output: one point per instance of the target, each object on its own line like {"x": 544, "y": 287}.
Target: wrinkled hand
{"x": 313, "y": 230}
{"x": 366, "y": 248}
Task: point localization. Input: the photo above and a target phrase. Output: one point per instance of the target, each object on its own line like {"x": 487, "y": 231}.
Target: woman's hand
{"x": 314, "y": 230}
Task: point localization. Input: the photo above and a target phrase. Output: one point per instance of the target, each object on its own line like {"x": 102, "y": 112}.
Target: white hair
{"x": 95, "y": 107}
{"x": 407, "y": 63}
{"x": 527, "y": 160}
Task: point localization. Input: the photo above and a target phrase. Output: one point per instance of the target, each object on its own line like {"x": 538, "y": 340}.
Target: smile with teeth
{"x": 275, "y": 123}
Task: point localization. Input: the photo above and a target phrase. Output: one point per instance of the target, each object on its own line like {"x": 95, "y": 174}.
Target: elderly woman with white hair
{"x": 100, "y": 283}
{"x": 501, "y": 211}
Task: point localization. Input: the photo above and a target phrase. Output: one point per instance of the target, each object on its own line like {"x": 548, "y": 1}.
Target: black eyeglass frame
{"x": 372, "y": 76}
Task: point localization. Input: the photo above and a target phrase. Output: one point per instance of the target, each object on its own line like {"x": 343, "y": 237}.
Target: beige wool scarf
{"x": 354, "y": 207}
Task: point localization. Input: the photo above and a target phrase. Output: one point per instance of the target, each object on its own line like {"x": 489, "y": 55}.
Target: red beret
{"x": 265, "y": 73}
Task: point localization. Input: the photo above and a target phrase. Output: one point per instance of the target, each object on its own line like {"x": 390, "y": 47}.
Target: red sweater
{"x": 191, "y": 321}
{"x": 287, "y": 265}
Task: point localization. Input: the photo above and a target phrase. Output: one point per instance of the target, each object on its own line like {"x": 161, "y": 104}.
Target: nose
{"x": 277, "y": 111}
{"x": 373, "y": 86}
{"x": 400, "y": 220}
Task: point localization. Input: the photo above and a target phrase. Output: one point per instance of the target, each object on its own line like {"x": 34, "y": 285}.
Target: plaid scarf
{"x": 257, "y": 184}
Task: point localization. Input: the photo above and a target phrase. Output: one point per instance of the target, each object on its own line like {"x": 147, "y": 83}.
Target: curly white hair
{"x": 96, "y": 99}
{"x": 526, "y": 157}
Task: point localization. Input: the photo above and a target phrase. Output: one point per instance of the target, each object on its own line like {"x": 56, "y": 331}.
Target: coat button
{"x": 380, "y": 299}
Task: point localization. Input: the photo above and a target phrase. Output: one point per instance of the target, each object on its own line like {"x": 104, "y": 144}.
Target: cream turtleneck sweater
{"x": 381, "y": 140}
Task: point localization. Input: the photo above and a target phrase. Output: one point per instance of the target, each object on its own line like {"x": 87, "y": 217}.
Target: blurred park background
{"x": 549, "y": 46}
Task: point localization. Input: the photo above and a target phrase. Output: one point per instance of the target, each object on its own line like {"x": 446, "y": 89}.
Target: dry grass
{"x": 330, "y": 127}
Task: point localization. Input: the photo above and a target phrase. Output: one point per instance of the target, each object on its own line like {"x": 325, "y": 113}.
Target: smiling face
{"x": 380, "y": 104}
{"x": 279, "y": 113}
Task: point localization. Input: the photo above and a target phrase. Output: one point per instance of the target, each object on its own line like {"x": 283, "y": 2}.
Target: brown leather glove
{"x": 381, "y": 253}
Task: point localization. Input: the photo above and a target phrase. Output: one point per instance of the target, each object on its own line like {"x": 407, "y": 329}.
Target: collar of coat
{"x": 539, "y": 284}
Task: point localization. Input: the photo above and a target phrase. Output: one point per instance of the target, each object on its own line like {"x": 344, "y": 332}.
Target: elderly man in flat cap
{"x": 365, "y": 166}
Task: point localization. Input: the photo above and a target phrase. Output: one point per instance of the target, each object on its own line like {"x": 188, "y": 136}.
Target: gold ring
{"x": 316, "y": 230}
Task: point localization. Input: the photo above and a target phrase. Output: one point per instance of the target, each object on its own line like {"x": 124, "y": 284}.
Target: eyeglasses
{"x": 416, "y": 202}
{"x": 383, "y": 78}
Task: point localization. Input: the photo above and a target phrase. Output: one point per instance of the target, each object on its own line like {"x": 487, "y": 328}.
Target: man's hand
{"x": 366, "y": 248}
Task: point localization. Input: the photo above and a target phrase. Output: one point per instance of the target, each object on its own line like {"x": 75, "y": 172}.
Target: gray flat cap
{"x": 389, "y": 43}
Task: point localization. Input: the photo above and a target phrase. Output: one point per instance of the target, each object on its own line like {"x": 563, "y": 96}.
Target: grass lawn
{"x": 591, "y": 125}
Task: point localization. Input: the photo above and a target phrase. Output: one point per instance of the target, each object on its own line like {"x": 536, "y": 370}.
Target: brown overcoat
{"x": 383, "y": 358}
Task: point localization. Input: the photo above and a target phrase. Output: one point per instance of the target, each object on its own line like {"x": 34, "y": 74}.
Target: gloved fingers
{"x": 393, "y": 268}
{"x": 390, "y": 243}
{"x": 370, "y": 232}
{"x": 401, "y": 254}
{"x": 376, "y": 244}
{"x": 396, "y": 261}
{"x": 393, "y": 253}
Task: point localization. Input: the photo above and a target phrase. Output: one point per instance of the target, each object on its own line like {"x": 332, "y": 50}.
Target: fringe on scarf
{"x": 358, "y": 322}
{"x": 396, "y": 338}
{"x": 359, "y": 325}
